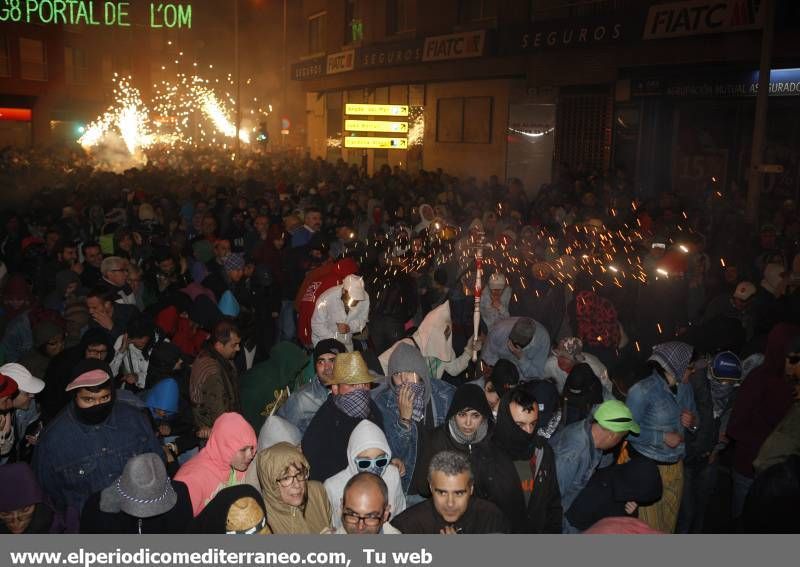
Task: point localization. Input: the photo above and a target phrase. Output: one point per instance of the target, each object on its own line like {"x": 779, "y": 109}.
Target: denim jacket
{"x": 576, "y": 460}
{"x": 658, "y": 411}
{"x": 75, "y": 460}
{"x": 402, "y": 440}
{"x": 301, "y": 406}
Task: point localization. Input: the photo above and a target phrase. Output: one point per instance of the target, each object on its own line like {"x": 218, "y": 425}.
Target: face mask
{"x": 95, "y": 414}
{"x": 419, "y": 401}
{"x": 354, "y": 403}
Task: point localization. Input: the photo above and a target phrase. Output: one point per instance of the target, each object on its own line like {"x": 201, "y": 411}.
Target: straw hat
{"x": 350, "y": 368}
{"x": 244, "y": 515}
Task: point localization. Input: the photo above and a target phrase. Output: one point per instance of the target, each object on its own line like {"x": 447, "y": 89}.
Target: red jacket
{"x": 762, "y": 402}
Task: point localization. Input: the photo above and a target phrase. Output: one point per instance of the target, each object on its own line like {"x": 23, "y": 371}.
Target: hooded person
{"x": 468, "y": 430}
{"x": 95, "y": 344}
{"x": 165, "y": 361}
{"x": 222, "y": 462}
{"x": 582, "y": 391}
{"x": 663, "y": 405}
{"x": 521, "y": 340}
{"x": 516, "y": 435}
{"x": 316, "y": 283}
{"x": 367, "y": 451}
{"x": 341, "y": 312}
{"x": 275, "y": 430}
{"x": 326, "y": 439}
{"x": 48, "y": 342}
{"x": 236, "y": 510}
{"x": 763, "y": 400}
{"x": 426, "y": 216}
{"x": 67, "y": 285}
{"x": 143, "y": 500}
{"x": 228, "y": 305}
{"x": 24, "y": 507}
{"x": 494, "y": 305}
{"x": 295, "y": 504}
{"x": 171, "y": 417}
{"x": 434, "y": 339}
{"x": 550, "y": 418}
{"x": 412, "y": 406}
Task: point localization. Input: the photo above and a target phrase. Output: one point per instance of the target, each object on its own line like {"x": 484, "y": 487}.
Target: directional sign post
{"x": 375, "y": 126}
{"x": 365, "y": 142}
{"x": 376, "y": 109}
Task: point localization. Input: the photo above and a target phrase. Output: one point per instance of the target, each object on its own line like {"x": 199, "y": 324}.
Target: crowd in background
{"x": 281, "y": 344}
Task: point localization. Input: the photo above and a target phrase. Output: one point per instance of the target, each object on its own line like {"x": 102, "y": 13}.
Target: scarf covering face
{"x": 461, "y": 439}
{"x": 519, "y": 445}
{"x": 418, "y": 414}
{"x": 354, "y": 403}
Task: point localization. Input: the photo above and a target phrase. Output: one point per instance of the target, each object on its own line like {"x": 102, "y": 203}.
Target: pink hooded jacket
{"x": 211, "y": 470}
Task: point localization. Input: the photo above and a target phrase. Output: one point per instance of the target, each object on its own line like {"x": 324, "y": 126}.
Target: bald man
{"x": 365, "y": 506}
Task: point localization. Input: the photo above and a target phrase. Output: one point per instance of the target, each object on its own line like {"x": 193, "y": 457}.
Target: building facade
{"x": 520, "y": 88}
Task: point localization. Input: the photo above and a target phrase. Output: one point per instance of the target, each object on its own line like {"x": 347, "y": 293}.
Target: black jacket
{"x": 544, "y": 512}
{"x": 496, "y": 478}
{"x": 175, "y": 521}
{"x": 326, "y": 438}
{"x": 481, "y": 517}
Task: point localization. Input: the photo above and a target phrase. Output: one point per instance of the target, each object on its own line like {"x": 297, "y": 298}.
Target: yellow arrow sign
{"x": 376, "y": 109}
{"x": 375, "y": 126}
{"x": 375, "y": 143}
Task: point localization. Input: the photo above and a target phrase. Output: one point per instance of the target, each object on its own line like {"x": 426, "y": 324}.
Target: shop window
{"x": 316, "y": 33}
{"x": 476, "y": 10}
{"x": 464, "y": 120}
{"x": 5, "y": 58}
{"x": 33, "y": 59}
{"x": 399, "y": 16}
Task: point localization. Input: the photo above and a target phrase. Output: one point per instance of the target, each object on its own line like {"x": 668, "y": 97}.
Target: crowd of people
{"x": 285, "y": 345}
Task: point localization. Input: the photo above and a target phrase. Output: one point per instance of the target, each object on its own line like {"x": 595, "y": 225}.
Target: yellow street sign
{"x": 376, "y": 109}
{"x": 375, "y": 126}
{"x": 375, "y": 143}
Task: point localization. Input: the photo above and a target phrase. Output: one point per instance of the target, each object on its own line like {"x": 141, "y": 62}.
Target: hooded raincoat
{"x": 365, "y": 436}
{"x": 208, "y": 472}
{"x": 313, "y": 516}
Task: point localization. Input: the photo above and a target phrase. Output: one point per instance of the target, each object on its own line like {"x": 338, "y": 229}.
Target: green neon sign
{"x": 112, "y": 13}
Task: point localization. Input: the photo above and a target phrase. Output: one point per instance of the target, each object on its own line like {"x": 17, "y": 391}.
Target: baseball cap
{"x": 23, "y": 377}
{"x": 88, "y": 380}
{"x": 725, "y": 367}
{"x": 615, "y": 416}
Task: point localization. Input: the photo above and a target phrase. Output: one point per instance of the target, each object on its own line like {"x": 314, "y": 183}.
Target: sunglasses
{"x": 364, "y": 464}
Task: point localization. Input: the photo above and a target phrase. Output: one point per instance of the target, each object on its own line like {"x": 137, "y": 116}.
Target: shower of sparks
{"x": 186, "y": 111}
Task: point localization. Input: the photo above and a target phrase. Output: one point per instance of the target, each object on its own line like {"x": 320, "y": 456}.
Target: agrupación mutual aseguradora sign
{"x": 114, "y": 13}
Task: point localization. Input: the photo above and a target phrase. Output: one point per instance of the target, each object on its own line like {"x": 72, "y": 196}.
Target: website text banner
{"x": 394, "y": 551}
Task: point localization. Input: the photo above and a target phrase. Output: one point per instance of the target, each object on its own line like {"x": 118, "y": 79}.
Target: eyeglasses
{"x": 354, "y": 519}
{"x": 250, "y": 531}
{"x": 103, "y": 351}
{"x": 288, "y": 481}
{"x": 365, "y": 464}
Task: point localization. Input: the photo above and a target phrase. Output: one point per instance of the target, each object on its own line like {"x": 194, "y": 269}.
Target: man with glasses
{"x": 114, "y": 270}
{"x": 325, "y": 441}
{"x": 304, "y": 403}
{"x": 365, "y": 506}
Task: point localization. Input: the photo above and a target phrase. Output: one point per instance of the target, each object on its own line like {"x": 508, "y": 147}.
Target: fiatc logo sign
{"x": 700, "y": 17}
